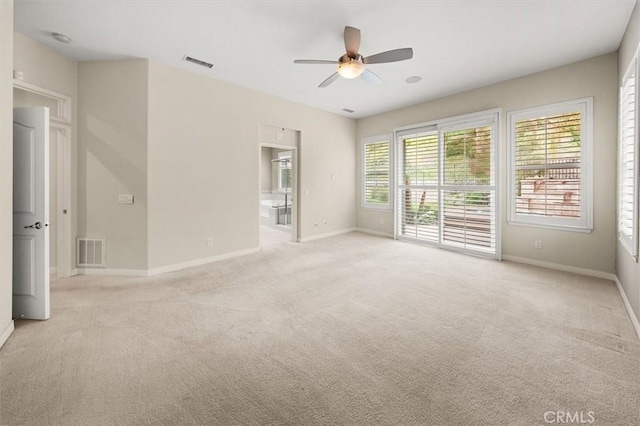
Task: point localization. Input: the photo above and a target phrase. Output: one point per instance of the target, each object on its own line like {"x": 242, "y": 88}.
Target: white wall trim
{"x": 376, "y": 233}
{"x": 63, "y": 112}
{"x": 587, "y": 272}
{"x": 6, "y": 333}
{"x": 559, "y": 267}
{"x": 328, "y": 234}
{"x": 112, "y": 272}
{"x": 60, "y": 119}
{"x": 203, "y": 261}
{"x": 162, "y": 269}
{"x": 627, "y": 305}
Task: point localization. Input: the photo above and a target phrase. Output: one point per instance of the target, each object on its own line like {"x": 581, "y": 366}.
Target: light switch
{"x": 125, "y": 198}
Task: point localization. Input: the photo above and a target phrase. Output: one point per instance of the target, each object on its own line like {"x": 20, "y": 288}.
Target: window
{"x": 446, "y": 187}
{"x": 376, "y": 172}
{"x": 284, "y": 171}
{"x": 628, "y": 163}
{"x": 550, "y": 166}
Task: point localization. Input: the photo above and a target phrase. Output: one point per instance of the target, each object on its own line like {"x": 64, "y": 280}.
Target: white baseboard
{"x": 372, "y": 232}
{"x": 328, "y": 234}
{"x": 198, "y": 262}
{"x": 162, "y": 269}
{"x": 111, "y": 272}
{"x": 627, "y": 305}
{"x": 588, "y": 272}
{"x": 6, "y": 333}
{"x": 559, "y": 267}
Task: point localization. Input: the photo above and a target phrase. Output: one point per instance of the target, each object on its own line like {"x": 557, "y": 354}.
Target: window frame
{"x": 492, "y": 117}
{"x": 282, "y": 166}
{"x": 585, "y": 222}
{"x": 629, "y": 242}
{"x": 363, "y": 144}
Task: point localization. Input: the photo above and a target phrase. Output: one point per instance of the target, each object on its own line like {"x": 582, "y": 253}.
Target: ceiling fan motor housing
{"x": 349, "y": 67}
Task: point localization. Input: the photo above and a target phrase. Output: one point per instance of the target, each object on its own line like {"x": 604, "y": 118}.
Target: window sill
{"x": 628, "y": 249}
{"x": 377, "y": 208}
{"x": 578, "y": 229}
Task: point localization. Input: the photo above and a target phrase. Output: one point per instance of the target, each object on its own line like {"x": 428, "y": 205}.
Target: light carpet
{"x": 353, "y": 329}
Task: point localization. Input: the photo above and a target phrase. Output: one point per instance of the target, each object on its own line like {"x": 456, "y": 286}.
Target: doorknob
{"x": 36, "y": 225}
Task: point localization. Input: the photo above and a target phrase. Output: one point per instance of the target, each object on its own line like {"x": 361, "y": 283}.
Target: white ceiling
{"x": 458, "y": 45}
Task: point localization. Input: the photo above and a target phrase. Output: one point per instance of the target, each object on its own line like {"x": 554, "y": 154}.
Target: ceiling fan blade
{"x": 352, "y": 41}
{"x": 370, "y": 77}
{"x": 389, "y": 56}
{"x": 329, "y": 80}
{"x": 313, "y": 61}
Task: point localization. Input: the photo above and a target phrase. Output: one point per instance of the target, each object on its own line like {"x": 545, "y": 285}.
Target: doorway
{"x": 278, "y": 185}
{"x": 60, "y": 244}
{"x": 446, "y": 184}
{"x": 276, "y": 195}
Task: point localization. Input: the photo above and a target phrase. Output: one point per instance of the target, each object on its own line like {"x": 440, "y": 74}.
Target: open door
{"x": 31, "y": 213}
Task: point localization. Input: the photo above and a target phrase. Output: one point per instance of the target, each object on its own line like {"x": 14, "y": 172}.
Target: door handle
{"x": 36, "y": 225}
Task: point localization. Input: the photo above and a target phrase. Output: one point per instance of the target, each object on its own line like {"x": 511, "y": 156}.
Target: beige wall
{"x": 112, "y": 158}
{"x": 6, "y": 167}
{"x": 594, "y": 77}
{"x": 48, "y": 69}
{"x": 45, "y": 67}
{"x": 627, "y": 269}
{"x": 204, "y": 138}
{"x": 265, "y": 170}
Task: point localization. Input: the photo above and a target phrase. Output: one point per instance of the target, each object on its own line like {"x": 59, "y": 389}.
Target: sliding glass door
{"x": 446, "y": 191}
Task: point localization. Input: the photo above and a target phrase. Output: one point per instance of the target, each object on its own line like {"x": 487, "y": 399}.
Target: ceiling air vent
{"x": 198, "y": 62}
{"x": 350, "y": 111}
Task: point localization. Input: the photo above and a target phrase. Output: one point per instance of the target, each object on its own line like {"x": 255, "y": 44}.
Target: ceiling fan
{"x": 352, "y": 64}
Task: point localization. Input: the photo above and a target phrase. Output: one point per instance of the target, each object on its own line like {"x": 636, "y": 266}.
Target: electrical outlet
{"x": 209, "y": 242}
{"x": 537, "y": 244}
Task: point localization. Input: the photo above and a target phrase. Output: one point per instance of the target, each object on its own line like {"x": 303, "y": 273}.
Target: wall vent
{"x": 350, "y": 111}
{"x": 90, "y": 252}
{"x": 198, "y": 62}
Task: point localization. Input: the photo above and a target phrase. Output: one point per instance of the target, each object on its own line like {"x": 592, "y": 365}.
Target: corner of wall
{"x": 6, "y": 168}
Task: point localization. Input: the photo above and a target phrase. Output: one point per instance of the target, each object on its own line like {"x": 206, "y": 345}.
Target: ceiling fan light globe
{"x": 351, "y": 69}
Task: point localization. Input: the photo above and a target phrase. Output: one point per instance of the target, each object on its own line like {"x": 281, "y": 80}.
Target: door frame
{"x": 60, "y": 119}
{"x": 295, "y": 185}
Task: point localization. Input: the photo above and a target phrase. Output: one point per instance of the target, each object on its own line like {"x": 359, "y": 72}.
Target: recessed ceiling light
{"x": 413, "y": 79}
{"x": 61, "y": 38}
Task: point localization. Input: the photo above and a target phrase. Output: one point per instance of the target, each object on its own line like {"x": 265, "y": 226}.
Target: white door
{"x": 31, "y": 213}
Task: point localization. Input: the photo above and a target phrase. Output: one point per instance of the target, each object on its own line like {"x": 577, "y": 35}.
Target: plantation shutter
{"x": 551, "y": 167}
{"x": 446, "y": 194}
{"x": 627, "y": 164}
{"x": 418, "y": 179}
{"x": 468, "y": 196}
{"x": 376, "y": 173}
{"x": 548, "y": 154}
